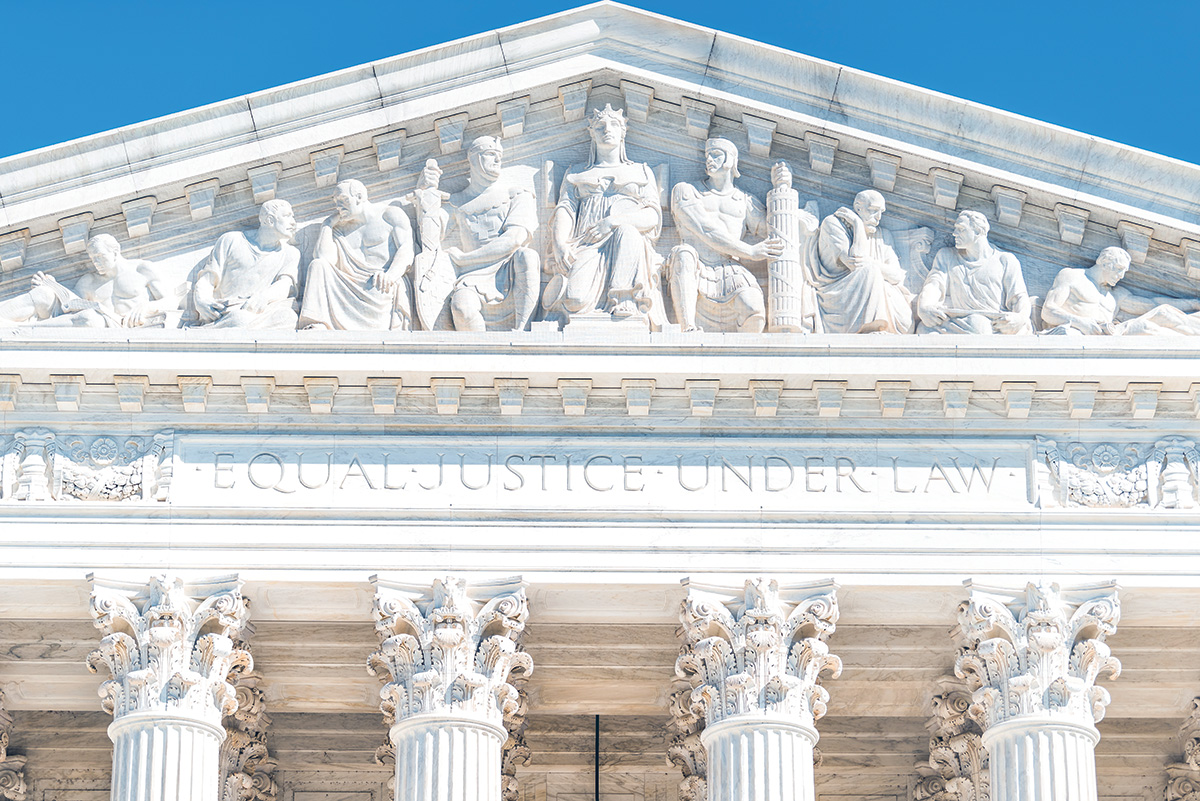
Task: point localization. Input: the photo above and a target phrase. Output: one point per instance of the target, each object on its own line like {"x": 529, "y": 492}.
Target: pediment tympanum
{"x": 567, "y": 174}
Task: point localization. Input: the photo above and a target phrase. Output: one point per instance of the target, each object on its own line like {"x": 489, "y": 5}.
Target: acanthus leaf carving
{"x": 762, "y": 653}
{"x": 12, "y": 767}
{"x": 957, "y": 768}
{"x": 1038, "y": 651}
{"x": 453, "y": 649}
{"x": 247, "y": 767}
{"x": 169, "y": 645}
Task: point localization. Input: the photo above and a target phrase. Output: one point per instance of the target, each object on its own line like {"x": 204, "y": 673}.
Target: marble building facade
{"x": 603, "y": 405}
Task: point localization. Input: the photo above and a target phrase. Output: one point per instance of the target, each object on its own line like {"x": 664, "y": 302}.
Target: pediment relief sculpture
{"x": 490, "y": 278}
{"x": 358, "y": 279}
{"x": 518, "y": 245}
{"x": 118, "y": 293}
{"x": 603, "y": 232}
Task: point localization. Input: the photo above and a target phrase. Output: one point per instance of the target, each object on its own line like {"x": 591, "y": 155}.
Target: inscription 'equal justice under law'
{"x": 308, "y": 470}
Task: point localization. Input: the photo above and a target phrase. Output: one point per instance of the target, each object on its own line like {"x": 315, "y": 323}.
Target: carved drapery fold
{"x": 451, "y": 657}
{"x": 957, "y": 769}
{"x": 1183, "y": 777}
{"x": 1032, "y": 661}
{"x": 12, "y": 767}
{"x": 753, "y": 659}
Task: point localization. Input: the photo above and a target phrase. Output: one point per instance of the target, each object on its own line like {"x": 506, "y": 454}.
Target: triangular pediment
{"x": 169, "y": 187}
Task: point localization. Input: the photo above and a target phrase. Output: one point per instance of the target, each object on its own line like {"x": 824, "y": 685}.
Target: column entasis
{"x": 169, "y": 646}
{"x": 753, "y": 657}
{"x": 449, "y": 654}
{"x": 1032, "y": 660}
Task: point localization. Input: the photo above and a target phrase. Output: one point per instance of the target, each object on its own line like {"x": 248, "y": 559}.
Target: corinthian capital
{"x": 169, "y": 645}
{"x": 451, "y": 648}
{"x": 1038, "y": 651}
{"x": 758, "y": 650}
{"x": 12, "y": 767}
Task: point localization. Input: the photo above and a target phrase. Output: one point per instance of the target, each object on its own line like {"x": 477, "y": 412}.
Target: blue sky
{"x": 1124, "y": 71}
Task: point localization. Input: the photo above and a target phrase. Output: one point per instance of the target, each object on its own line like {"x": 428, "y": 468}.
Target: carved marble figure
{"x": 859, "y": 277}
{"x": 603, "y": 231}
{"x": 250, "y": 279}
{"x": 1088, "y": 301}
{"x": 710, "y": 289}
{"x": 119, "y": 293}
{"x": 494, "y": 276}
{"x": 357, "y": 279}
{"x": 973, "y": 288}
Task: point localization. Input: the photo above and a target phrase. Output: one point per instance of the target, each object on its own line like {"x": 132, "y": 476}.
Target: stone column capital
{"x": 450, "y": 649}
{"x": 758, "y": 650}
{"x": 169, "y": 645}
{"x": 1036, "y": 653}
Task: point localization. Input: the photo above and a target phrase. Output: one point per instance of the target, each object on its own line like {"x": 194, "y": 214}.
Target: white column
{"x": 449, "y": 653}
{"x": 1032, "y": 661}
{"x": 168, "y": 645}
{"x": 753, "y": 658}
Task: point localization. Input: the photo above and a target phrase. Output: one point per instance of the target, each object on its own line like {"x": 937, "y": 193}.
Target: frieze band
{"x": 487, "y": 258}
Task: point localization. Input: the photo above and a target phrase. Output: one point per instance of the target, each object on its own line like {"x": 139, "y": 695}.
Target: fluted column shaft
{"x": 158, "y": 756}
{"x": 755, "y": 758}
{"x": 1032, "y": 659}
{"x": 168, "y": 645}
{"x": 1040, "y": 759}
{"x": 447, "y": 758}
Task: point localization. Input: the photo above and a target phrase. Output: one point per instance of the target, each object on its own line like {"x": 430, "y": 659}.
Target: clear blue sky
{"x": 1127, "y": 71}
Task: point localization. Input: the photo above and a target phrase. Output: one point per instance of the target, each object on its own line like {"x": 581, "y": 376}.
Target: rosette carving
{"x": 1038, "y": 652}
{"x": 957, "y": 769}
{"x": 169, "y": 645}
{"x": 451, "y": 650}
{"x": 761, "y": 651}
{"x": 12, "y": 767}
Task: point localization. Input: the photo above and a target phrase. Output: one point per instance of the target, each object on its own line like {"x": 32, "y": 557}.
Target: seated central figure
{"x": 603, "y": 231}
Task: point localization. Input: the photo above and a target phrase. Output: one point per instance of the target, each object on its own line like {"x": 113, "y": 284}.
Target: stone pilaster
{"x": 449, "y": 654}
{"x": 247, "y": 768}
{"x": 12, "y": 767}
{"x": 1032, "y": 661}
{"x": 957, "y": 769}
{"x": 169, "y": 646}
{"x": 753, "y": 657}
{"x": 1183, "y": 778}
